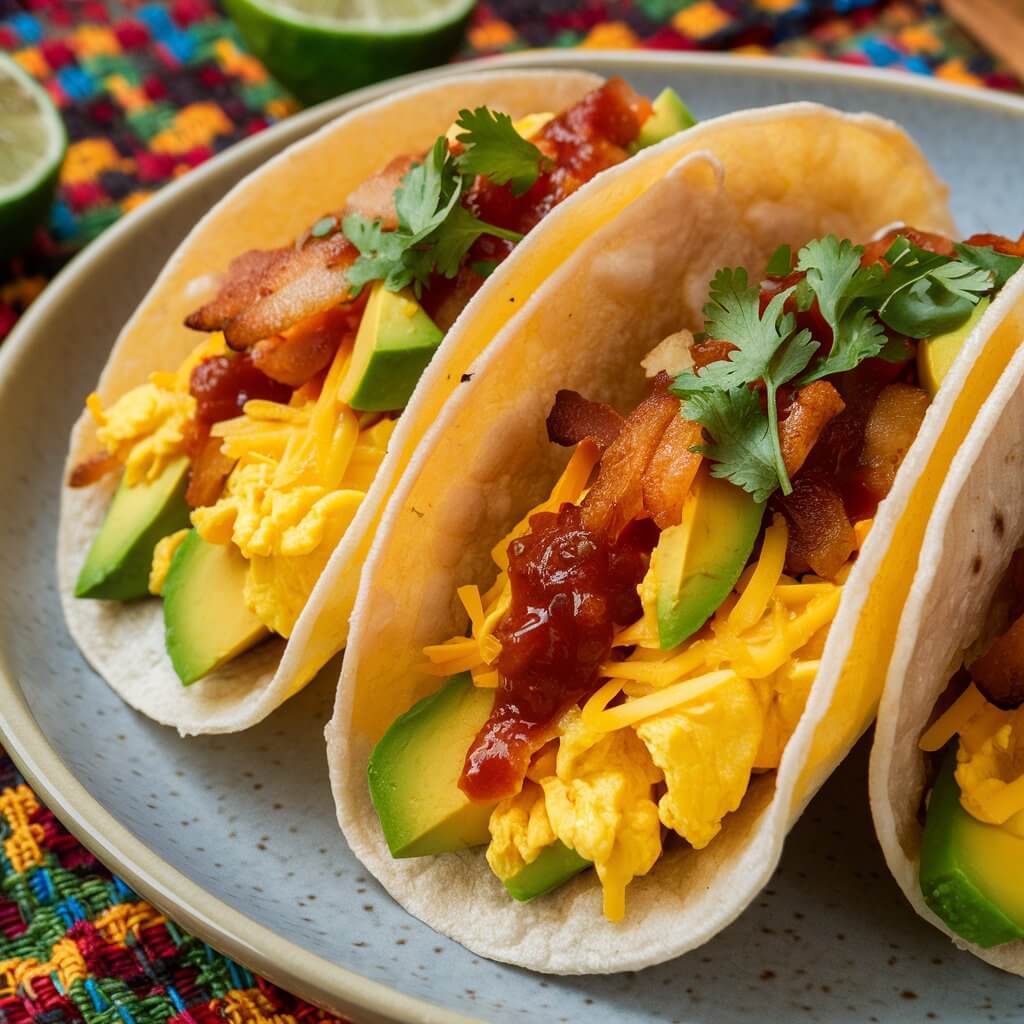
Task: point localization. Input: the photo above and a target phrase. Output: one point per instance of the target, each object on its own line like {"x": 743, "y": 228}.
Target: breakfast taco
{"x": 947, "y": 771}
{"x": 618, "y": 692}
{"x": 247, "y": 426}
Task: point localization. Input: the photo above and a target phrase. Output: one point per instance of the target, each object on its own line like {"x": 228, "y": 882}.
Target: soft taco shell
{"x": 727, "y": 192}
{"x": 976, "y": 525}
{"x": 269, "y": 208}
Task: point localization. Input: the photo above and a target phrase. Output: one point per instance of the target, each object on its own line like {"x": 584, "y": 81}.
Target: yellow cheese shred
{"x": 953, "y": 720}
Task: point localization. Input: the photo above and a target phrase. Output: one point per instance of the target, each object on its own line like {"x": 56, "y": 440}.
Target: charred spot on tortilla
{"x": 998, "y": 524}
{"x": 465, "y": 378}
{"x": 976, "y": 565}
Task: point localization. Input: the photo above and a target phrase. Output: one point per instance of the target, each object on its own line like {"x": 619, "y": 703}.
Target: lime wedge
{"x": 321, "y": 48}
{"x": 32, "y": 143}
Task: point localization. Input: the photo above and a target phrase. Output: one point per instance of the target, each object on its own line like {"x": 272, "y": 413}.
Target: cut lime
{"x": 32, "y": 143}
{"x": 321, "y": 48}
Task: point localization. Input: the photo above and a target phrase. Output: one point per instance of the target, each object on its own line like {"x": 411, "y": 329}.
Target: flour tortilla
{"x": 730, "y": 191}
{"x": 976, "y": 525}
{"x": 269, "y": 208}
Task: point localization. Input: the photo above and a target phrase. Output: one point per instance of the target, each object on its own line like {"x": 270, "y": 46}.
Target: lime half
{"x": 32, "y": 143}
{"x": 321, "y": 48}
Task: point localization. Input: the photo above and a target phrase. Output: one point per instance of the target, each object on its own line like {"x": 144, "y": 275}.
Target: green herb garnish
{"x": 434, "y": 230}
{"x": 919, "y": 294}
{"x": 497, "y": 151}
{"x": 768, "y": 349}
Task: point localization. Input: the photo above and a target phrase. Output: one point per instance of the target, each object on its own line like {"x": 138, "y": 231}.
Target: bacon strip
{"x": 94, "y": 468}
{"x": 669, "y": 475}
{"x": 821, "y": 536}
{"x": 307, "y": 348}
{"x": 891, "y": 427}
{"x": 812, "y": 409}
{"x": 267, "y": 291}
{"x": 616, "y": 498}
{"x": 573, "y": 418}
{"x": 374, "y": 199}
{"x": 999, "y": 672}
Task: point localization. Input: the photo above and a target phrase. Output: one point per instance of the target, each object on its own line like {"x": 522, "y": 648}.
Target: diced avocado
{"x": 415, "y": 768}
{"x": 553, "y": 867}
{"x": 698, "y": 562}
{"x": 936, "y": 355}
{"x": 118, "y": 563}
{"x": 971, "y": 871}
{"x": 206, "y": 622}
{"x": 670, "y": 115}
{"x": 396, "y": 340}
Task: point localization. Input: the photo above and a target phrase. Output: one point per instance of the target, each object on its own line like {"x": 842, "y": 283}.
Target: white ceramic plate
{"x": 235, "y": 836}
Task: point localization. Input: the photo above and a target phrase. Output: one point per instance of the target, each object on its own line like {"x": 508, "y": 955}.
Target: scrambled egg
{"x": 520, "y": 830}
{"x": 301, "y": 472}
{"x": 673, "y": 737}
{"x": 990, "y": 757}
{"x": 145, "y": 427}
{"x": 990, "y": 761}
{"x": 707, "y": 753}
{"x": 162, "y": 555}
{"x": 599, "y": 803}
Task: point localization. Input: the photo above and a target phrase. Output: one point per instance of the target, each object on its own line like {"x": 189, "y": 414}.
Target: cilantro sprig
{"x": 768, "y": 349}
{"x": 435, "y": 231}
{"x": 494, "y": 149}
{"x": 915, "y": 293}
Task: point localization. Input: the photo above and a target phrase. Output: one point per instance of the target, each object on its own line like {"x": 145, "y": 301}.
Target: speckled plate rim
{"x": 227, "y": 929}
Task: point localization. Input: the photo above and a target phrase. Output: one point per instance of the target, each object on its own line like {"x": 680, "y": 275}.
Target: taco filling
{"x": 242, "y": 470}
{"x": 655, "y": 626}
{"x": 974, "y": 818}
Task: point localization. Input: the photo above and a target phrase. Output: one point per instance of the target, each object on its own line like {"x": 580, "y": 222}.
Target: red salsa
{"x": 570, "y": 588}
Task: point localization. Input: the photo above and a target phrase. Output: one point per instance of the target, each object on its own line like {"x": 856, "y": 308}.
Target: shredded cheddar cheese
{"x": 699, "y": 720}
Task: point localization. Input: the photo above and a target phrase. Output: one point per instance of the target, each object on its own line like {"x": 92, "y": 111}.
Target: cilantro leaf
{"x": 435, "y": 231}
{"x": 380, "y": 254}
{"x": 768, "y": 350}
{"x": 837, "y": 279}
{"x": 780, "y": 263}
{"x": 923, "y": 293}
{"x": 457, "y": 235}
{"x": 741, "y": 445}
{"x": 497, "y": 151}
{"x": 1001, "y": 264}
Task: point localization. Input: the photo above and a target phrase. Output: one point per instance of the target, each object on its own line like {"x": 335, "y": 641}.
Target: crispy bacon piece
{"x": 999, "y": 672}
{"x": 616, "y": 498}
{"x": 92, "y": 469}
{"x": 207, "y": 474}
{"x": 821, "y": 537}
{"x": 573, "y": 418}
{"x": 927, "y": 240}
{"x": 374, "y": 199}
{"x": 669, "y": 475}
{"x": 999, "y": 243}
{"x": 709, "y": 350}
{"x": 267, "y": 291}
{"x": 890, "y": 430}
{"x": 809, "y": 413}
{"x": 302, "y": 352}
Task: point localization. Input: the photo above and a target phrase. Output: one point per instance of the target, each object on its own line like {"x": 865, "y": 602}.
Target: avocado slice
{"x": 414, "y": 773}
{"x": 970, "y": 871}
{"x": 698, "y": 562}
{"x": 206, "y": 622}
{"x": 118, "y": 563}
{"x": 554, "y": 866}
{"x": 670, "y": 115}
{"x": 936, "y": 355}
{"x": 396, "y": 340}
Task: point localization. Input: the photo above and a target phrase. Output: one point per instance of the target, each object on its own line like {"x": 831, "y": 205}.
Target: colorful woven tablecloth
{"x": 149, "y": 90}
